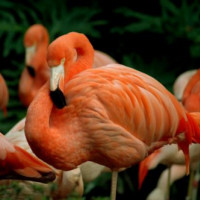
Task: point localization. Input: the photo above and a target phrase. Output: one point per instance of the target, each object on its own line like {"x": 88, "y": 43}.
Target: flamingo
{"x": 112, "y": 115}
{"x": 4, "y": 95}
{"x": 36, "y": 71}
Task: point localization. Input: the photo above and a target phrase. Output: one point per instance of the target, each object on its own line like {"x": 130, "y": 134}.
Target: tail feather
{"x": 192, "y": 134}
{"x": 144, "y": 166}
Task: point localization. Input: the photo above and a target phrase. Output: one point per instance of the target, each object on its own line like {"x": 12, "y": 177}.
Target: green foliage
{"x": 10, "y": 191}
{"x": 16, "y": 17}
{"x": 174, "y": 22}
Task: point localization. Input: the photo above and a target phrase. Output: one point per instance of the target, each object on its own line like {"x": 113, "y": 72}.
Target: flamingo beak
{"x": 31, "y": 71}
{"x": 57, "y": 96}
{"x": 30, "y": 51}
{"x": 57, "y": 72}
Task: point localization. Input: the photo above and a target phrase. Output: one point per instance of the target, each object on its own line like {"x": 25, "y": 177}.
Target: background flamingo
{"x": 36, "y": 71}
{"x": 4, "y": 95}
{"x": 106, "y": 115}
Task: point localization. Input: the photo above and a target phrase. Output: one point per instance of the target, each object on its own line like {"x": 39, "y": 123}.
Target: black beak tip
{"x": 58, "y": 98}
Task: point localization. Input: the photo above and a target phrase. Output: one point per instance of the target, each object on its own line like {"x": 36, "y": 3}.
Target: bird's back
{"x": 129, "y": 98}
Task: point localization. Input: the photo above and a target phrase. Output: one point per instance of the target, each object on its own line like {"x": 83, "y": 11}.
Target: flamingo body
{"x": 91, "y": 128}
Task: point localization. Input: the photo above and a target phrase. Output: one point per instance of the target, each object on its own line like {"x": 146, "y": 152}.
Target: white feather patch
{"x": 5, "y": 146}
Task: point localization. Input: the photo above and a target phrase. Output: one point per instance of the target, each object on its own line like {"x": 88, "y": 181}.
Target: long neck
{"x": 51, "y": 137}
{"x": 42, "y": 44}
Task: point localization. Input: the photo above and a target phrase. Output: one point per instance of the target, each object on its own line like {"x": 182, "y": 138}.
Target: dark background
{"x": 160, "y": 38}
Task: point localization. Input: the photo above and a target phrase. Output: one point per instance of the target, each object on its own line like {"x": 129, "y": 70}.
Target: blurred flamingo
{"x": 4, "y": 95}
{"x": 113, "y": 115}
{"x": 36, "y": 71}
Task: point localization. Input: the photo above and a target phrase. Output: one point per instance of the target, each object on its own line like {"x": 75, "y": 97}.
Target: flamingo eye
{"x": 58, "y": 98}
{"x": 31, "y": 71}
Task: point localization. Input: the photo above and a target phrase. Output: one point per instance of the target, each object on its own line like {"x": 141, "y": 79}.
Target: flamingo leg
{"x": 191, "y": 179}
{"x": 114, "y": 185}
{"x": 168, "y": 184}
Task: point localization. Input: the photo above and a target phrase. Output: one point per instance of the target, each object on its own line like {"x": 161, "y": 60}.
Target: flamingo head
{"x": 67, "y": 56}
{"x": 35, "y": 37}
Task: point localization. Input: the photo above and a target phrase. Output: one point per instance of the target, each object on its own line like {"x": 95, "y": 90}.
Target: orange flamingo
{"x": 36, "y": 71}
{"x": 4, "y": 95}
{"x": 113, "y": 115}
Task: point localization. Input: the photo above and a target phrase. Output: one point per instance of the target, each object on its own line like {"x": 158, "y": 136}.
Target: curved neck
{"x": 50, "y": 133}
{"x": 83, "y": 55}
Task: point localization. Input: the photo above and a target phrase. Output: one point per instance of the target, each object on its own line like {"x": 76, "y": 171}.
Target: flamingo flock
{"x": 88, "y": 114}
